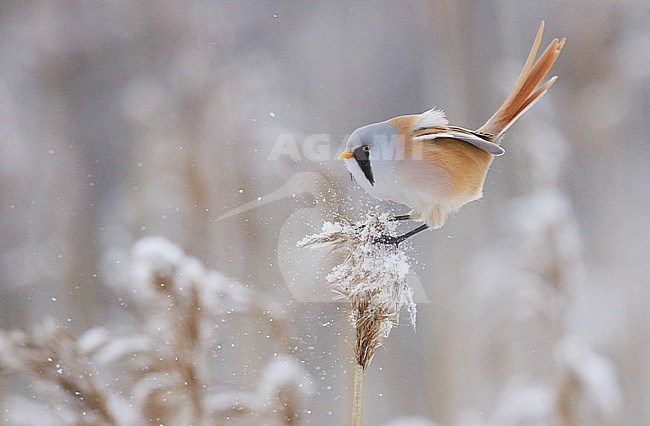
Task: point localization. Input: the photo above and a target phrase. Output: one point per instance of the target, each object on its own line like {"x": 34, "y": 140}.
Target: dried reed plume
{"x": 61, "y": 368}
{"x": 162, "y": 370}
{"x": 372, "y": 278}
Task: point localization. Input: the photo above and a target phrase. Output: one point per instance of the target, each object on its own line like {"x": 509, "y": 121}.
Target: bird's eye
{"x": 366, "y": 148}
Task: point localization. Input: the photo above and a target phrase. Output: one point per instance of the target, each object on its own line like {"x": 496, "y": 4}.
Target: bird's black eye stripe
{"x": 362, "y": 156}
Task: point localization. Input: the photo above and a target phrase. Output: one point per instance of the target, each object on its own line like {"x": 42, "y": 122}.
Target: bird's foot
{"x": 387, "y": 239}
{"x": 390, "y": 240}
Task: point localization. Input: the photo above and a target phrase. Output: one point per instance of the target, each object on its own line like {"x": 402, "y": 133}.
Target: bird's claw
{"x": 389, "y": 240}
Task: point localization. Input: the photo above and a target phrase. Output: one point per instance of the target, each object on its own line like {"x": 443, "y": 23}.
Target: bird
{"x": 422, "y": 162}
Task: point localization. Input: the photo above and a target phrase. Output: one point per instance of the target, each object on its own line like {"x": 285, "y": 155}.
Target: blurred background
{"x": 121, "y": 120}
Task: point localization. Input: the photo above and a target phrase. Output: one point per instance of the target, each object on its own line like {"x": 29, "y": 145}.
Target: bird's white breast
{"x": 412, "y": 182}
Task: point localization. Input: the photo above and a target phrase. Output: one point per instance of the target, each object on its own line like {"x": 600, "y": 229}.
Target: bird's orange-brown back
{"x": 465, "y": 164}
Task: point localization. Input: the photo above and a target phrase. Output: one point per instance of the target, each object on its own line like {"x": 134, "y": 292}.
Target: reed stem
{"x": 358, "y": 395}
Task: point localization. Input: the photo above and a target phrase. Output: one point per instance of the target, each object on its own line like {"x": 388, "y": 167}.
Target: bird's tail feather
{"x": 525, "y": 92}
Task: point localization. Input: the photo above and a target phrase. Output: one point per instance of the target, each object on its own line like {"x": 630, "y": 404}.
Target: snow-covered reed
{"x": 372, "y": 279}
{"x": 161, "y": 368}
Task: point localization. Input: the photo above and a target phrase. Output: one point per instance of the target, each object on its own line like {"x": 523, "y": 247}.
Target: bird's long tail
{"x": 525, "y": 92}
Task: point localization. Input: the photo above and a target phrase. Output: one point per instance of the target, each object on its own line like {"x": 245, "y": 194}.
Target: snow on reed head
{"x": 61, "y": 370}
{"x": 372, "y": 277}
{"x": 160, "y": 362}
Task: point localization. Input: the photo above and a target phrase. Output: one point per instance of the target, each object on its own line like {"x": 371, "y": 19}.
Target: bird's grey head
{"x": 371, "y": 143}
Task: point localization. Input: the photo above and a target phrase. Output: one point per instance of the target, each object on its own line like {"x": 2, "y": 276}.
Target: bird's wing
{"x": 479, "y": 140}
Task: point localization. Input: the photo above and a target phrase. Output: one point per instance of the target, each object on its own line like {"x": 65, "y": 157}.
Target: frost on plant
{"x": 62, "y": 370}
{"x": 281, "y": 392}
{"x": 372, "y": 277}
{"x": 163, "y": 368}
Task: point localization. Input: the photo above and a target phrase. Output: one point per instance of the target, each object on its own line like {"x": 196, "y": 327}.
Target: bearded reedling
{"x": 434, "y": 168}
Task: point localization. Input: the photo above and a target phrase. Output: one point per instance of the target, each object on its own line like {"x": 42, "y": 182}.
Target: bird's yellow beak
{"x": 345, "y": 155}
